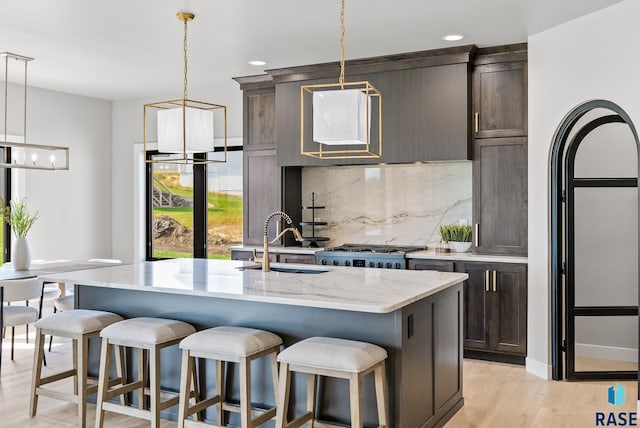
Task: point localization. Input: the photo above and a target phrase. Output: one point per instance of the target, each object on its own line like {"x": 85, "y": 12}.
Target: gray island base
{"x": 415, "y": 315}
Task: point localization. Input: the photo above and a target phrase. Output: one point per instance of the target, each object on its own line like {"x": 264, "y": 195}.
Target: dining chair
{"x": 18, "y": 290}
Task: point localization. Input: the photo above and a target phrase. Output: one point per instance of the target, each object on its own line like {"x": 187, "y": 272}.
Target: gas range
{"x": 371, "y": 256}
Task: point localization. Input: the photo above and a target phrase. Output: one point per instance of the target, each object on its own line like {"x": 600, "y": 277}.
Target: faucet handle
{"x": 255, "y": 257}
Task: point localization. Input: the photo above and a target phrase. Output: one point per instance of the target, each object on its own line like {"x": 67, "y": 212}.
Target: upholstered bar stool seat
{"x": 79, "y": 325}
{"x": 228, "y": 345}
{"x": 149, "y": 336}
{"x": 64, "y": 303}
{"x": 332, "y": 357}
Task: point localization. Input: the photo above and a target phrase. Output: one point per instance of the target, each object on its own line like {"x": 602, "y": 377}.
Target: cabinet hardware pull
{"x": 494, "y": 282}
{"x": 477, "y": 120}
{"x": 476, "y": 234}
{"x": 486, "y": 280}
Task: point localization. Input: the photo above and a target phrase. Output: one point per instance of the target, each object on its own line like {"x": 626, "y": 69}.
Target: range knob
{"x": 380, "y": 264}
{"x": 335, "y": 263}
{"x": 323, "y": 262}
{"x": 398, "y": 265}
{"x": 347, "y": 262}
{"x": 388, "y": 265}
{"x": 372, "y": 264}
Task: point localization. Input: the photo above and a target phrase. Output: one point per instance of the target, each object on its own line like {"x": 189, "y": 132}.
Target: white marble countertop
{"x": 288, "y": 250}
{"x": 342, "y": 288}
{"x": 465, "y": 257}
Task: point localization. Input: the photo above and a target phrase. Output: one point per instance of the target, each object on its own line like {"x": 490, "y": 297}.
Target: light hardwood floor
{"x": 496, "y": 395}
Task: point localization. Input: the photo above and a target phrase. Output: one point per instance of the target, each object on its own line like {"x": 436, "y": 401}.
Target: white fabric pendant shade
{"x": 198, "y": 130}
{"x": 341, "y": 117}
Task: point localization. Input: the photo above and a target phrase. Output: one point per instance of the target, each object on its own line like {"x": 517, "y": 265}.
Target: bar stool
{"x": 327, "y": 356}
{"x": 61, "y": 304}
{"x": 148, "y": 335}
{"x": 228, "y": 344}
{"x": 79, "y": 326}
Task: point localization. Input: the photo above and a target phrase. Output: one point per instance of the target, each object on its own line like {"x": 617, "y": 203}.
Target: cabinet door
{"x": 500, "y": 100}
{"x": 259, "y": 118}
{"x": 439, "y": 265}
{"x": 297, "y": 258}
{"x": 500, "y": 195}
{"x": 509, "y": 325}
{"x": 424, "y": 116}
{"x": 261, "y": 194}
{"x": 477, "y": 305}
{"x": 241, "y": 255}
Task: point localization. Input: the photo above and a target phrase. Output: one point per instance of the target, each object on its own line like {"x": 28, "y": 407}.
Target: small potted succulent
{"x": 17, "y": 215}
{"x": 457, "y": 235}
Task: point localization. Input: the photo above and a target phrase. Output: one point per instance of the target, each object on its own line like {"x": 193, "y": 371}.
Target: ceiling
{"x": 126, "y": 49}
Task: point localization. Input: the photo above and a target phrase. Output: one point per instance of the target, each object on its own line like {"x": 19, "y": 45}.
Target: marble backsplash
{"x": 387, "y": 204}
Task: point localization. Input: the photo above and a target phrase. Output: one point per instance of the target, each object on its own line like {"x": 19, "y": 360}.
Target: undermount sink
{"x": 297, "y": 270}
{"x": 286, "y": 269}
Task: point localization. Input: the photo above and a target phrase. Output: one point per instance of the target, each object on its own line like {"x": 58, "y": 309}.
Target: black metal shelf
{"x": 313, "y": 223}
{"x": 313, "y": 239}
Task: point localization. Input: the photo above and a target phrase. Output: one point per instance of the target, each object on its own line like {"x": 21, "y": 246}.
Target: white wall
{"x": 74, "y": 205}
{"x": 591, "y": 57}
{"x": 127, "y": 163}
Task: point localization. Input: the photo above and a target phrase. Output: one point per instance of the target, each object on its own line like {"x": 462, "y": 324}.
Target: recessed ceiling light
{"x": 453, "y": 37}
{"x": 257, "y": 62}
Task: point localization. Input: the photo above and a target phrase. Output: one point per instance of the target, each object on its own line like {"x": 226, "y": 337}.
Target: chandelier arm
{"x": 342, "y": 31}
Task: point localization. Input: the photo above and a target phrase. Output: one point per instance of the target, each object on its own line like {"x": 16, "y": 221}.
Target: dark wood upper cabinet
{"x": 424, "y": 116}
{"x": 500, "y": 195}
{"x": 500, "y": 150}
{"x": 260, "y": 117}
{"x": 500, "y": 100}
{"x": 261, "y": 175}
{"x": 261, "y": 194}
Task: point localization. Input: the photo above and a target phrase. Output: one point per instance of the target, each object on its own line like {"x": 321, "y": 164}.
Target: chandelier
{"x": 341, "y": 120}
{"x": 17, "y": 152}
{"x": 185, "y": 127}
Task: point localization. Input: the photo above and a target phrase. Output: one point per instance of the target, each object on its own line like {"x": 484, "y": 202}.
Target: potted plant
{"x": 457, "y": 235}
{"x": 17, "y": 215}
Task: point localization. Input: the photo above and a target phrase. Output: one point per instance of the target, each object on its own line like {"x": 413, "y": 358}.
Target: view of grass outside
{"x": 173, "y": 216}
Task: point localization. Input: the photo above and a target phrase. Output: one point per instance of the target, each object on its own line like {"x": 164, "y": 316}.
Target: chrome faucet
{"x": 265, "y": 250}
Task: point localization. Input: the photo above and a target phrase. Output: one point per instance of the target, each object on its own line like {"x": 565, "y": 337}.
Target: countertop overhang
{"x": 341, "y": 288}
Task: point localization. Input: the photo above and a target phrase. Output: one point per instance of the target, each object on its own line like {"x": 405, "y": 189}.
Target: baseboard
{"x": 538, "y": 368}
{"x": 494, "y": 356}
{"x": 606, "y": 352}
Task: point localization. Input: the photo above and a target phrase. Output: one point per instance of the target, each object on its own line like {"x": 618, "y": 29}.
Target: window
{"x": 194, "y": 210}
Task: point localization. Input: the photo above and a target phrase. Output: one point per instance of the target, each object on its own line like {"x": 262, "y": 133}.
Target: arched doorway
{"x": 594, "y": 244}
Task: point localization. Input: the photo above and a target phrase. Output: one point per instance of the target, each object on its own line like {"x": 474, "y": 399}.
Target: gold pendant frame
{"x": 373, "y": 145}
{"x": 185, "y": 157}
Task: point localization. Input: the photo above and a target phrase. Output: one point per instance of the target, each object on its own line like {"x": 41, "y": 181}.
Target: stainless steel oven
{"x": 367, "y": 256}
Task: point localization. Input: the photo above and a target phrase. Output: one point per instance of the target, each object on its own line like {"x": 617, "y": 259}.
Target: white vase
{"x": 20, "y": 256}
{"x": 459, "y": 247}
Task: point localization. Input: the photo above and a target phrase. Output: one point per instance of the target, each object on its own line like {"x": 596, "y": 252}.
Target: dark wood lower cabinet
{"x": 495, "y": 307}
{"x": 275, "y": 256}
{"x": 495, "y": 311}
{"x": 423, "y": 264}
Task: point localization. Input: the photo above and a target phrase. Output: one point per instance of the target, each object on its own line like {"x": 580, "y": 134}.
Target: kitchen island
{"x": 415, "y": 315}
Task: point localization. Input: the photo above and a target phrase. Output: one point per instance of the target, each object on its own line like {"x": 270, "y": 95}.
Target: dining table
{"x": 46, "y": 267}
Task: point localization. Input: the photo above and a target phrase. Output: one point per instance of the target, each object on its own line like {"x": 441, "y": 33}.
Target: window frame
{"x": 200, "y": 205}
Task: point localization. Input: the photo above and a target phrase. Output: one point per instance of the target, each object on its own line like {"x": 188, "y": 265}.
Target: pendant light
{"x": 18, "y": 153}
{"x": 341, "y": 120}
{"x": 185, "y": 128}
